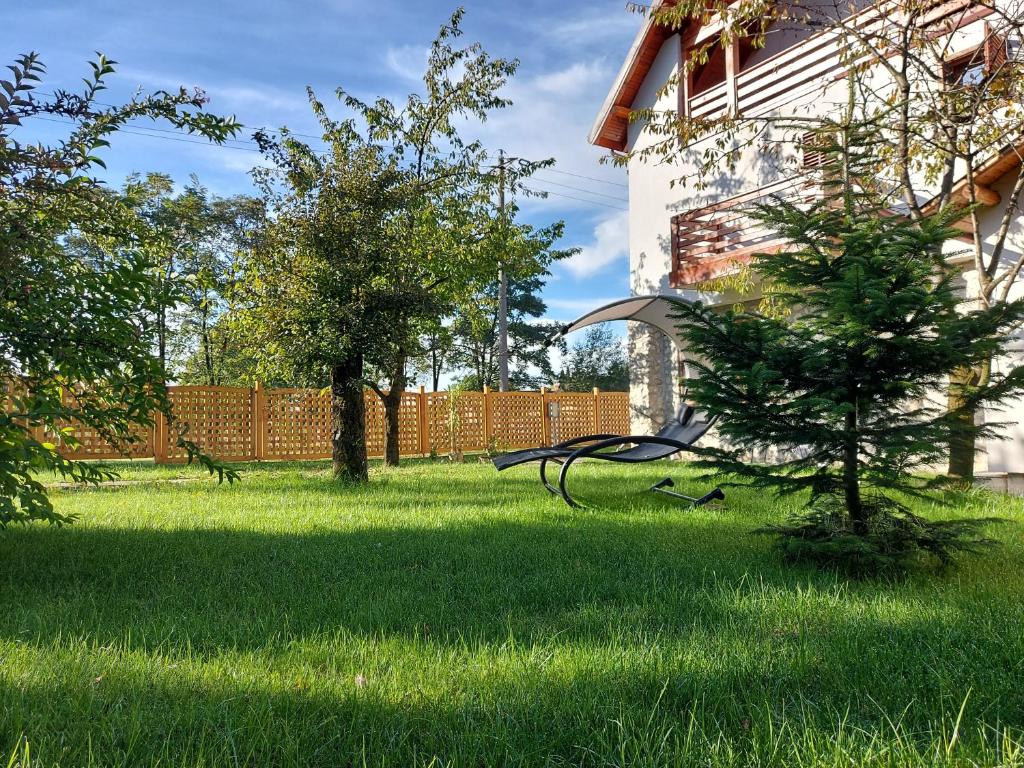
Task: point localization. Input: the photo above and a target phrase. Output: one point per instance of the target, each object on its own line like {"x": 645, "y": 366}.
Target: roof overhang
{"x": 990, "y": 172}
{"x": 612, "y": 124}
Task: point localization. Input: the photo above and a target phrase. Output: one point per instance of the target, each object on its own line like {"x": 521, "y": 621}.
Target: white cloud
{"x": 597, "y": 26}
{"x": 551, "y": 116}
{"x": 407, "y": 61}
{"x": 570, "y": 82}
{"x": 579, "y": 307}
{"x": 610, "y": 244}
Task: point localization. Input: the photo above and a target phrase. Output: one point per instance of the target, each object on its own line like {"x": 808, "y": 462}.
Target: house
{"x": 681, "y": 236}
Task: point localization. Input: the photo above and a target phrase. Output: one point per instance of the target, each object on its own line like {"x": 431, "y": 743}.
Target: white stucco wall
{"x": 654, "y": 199}
{"x": 1007, "y": 454}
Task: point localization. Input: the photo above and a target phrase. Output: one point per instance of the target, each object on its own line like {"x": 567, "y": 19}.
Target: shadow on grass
{"x": 479, "y": 641}
{"x": 598, "y": 635}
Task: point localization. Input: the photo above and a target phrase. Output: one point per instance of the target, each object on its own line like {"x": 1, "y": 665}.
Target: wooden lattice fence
{"x": 238, "y": 424}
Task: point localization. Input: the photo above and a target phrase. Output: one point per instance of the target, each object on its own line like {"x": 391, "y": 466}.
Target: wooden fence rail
{"x": 238, "y": 424}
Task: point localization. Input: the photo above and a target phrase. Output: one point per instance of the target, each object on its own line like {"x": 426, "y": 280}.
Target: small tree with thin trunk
{"x": 843, "y": 387}
{"x": 436, "y": 253}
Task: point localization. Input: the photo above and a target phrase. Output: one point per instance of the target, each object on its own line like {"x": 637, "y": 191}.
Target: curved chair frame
{"x": 597, "y": 447}
{"x": 594, "y": 451}
{"x": 561, "y": 459}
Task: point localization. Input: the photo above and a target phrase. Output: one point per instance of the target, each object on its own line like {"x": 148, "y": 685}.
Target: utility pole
{"x": 502, "y": 284}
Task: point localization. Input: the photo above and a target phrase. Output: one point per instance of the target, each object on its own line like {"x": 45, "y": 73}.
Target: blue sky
{"x": 254, "y": 60}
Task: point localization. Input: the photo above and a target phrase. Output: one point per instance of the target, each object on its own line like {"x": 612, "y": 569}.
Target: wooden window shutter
{"x": 995, "y": 50}
{"x": 812, "y": 147}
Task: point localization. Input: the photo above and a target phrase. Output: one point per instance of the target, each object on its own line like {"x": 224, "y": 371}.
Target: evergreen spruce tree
{"x": 846, "y": 379}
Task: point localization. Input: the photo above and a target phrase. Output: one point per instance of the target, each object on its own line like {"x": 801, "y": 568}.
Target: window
{"x": 968, "y": 70}
{"x": 973, "y": 67}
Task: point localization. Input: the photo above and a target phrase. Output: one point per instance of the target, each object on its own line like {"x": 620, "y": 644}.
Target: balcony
{"x": 797, "y": 71}
{"x": 714, "y": 240}
{"x": 711, "y": 241}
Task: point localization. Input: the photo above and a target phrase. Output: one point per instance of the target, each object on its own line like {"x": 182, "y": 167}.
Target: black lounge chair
{"x": 679, "y": 434}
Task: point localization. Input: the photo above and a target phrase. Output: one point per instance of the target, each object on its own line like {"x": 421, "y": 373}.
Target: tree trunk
{"x": 962, "y": 448}
{"x": 392, "y": 407}
{"x": 161, "y": 335}
{"x": 207, "y": 351}
{"x": 851, "y": 482}
{"x": 435, "y": 369}
{"x": 348, "y": 421}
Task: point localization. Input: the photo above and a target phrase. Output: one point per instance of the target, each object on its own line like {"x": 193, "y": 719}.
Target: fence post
{"x": 545, "y": 421}
{"x": 259, "y": 422}
{"x": 421, "y": 421}
{"x": 597, "y": 410}
{"x": 160, "y": 439}
{"x": 488, "y": 416}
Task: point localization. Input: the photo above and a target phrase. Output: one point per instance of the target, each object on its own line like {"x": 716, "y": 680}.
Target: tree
{"x": 211, "y": 236}
{"x": 318, "y": 295}
{"x": 844, "y": 384}
{"x": 198, "y": 240}
{"x": 525, "y": 255}
{"x": 475, "y": 330}
{"x": 73, "y": 349}
{"x": 437, "y": 255}
{"x": 147, "y": 196}
{"x": 437, "y": 347}
{"x": 598, "y": 361}
{"x": 943, "y": 117}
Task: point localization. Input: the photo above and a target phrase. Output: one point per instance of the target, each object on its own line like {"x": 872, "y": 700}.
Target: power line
{"x": 139, "y": 130}
{"x": 588, "y": 178}
{"x": 263, "y": 129}
{"x": 580, "y": 189}
{"x": 571, "y": 197}
{"x": 321, "y": 138}
{"x": 244, "y": 145}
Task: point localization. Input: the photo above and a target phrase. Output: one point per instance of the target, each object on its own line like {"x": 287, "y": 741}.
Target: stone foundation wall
{"x": 653, "y": 379}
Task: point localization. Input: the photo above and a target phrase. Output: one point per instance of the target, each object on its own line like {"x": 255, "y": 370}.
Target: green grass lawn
{"x": 445, "y": 615}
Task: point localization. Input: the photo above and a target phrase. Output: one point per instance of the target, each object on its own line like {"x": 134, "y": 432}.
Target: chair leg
{"x": 544, "y": 479}
{"x": 563, "y": 491}
{"x": 662, "y": 487}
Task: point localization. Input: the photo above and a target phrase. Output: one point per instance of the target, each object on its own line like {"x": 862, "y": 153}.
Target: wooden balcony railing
{"x": 710, "y": 241}
{"x": 785, "y": 77}
{"x": 805, "y": 67}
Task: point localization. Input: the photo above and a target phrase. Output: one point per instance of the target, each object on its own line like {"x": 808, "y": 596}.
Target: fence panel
{"x": 238, "y": 424}
{"x": 93, "y": 446}
{"x": 408, "y": 425}
{"x": 471, "y": 410}
{"x": 438, "y": 422}
{"x": 572, "y": 414}
{"x": 296, "y": 424}
{"x": 613, "y": 413}
{"x": 517, "y": 420}
{"x": 217, "y": 419}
